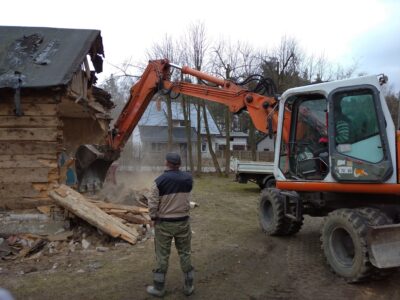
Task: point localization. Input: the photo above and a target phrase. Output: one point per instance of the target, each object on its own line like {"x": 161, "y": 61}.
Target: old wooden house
{"x": 48, "y": 107}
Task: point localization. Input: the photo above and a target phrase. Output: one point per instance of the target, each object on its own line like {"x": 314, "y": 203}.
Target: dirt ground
{"x": 232, "y": 257}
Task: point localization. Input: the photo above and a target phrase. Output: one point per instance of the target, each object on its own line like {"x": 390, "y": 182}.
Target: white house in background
{"x": 238, "y": 141}
{"x": 265, "y": 144}
{"x": 152, "y": 132}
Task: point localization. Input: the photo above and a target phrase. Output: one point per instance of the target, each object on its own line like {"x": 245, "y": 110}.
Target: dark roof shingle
{"x": 43, "y": 57}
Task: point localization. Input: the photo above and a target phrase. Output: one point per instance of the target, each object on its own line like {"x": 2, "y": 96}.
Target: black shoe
{"x": 188, "y": 288}
{"x": 158, "y": 288}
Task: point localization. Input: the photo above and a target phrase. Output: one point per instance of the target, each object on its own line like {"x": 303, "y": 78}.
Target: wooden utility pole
{"x": 210, "y": 146}
{"x": 188, "y": 128}
{"x": 228, "y": 129}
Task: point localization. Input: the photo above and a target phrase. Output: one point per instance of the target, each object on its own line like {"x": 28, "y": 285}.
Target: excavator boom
{"x": 93, "y": 161}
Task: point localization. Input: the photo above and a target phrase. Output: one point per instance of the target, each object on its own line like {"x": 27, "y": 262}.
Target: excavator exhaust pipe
{"x": 92, "y": 164}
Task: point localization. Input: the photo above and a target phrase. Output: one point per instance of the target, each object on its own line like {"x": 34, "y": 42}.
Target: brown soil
{"x": 232, "y": 257}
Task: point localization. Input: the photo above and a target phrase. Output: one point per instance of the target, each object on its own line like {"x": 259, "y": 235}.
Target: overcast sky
{"x": 367, "y": 31}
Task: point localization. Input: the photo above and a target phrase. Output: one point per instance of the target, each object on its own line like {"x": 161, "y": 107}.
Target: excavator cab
{"x": 341, "y": 132}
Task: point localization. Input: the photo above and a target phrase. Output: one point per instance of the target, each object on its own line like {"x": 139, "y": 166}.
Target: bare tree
{"x": 186, "y": 105}
{"x": 342, "y": 72}
{"x": 228, "y": 62}
{"x": 188, "y": 129}
{"x": 393, "y": 102}
{"x": 210, "y": 146}
{"x": 195, "y": 47}
{"x": 316, "y": 69}
{"x": 283, "y": 64}
{"x": 250, "y": 66}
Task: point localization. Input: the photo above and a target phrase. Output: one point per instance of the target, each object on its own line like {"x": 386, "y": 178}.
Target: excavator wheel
{"x": 272, "y": 217}
{"x": 294, "y": 226}
{"x": 376, "y": 217}
{"x": 344, "y": 243}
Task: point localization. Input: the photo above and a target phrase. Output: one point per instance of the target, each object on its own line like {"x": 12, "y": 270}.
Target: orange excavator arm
{"x": 93, "y": 161}
{"x": 157, "y": 77}
{"x": 156, "y": 72}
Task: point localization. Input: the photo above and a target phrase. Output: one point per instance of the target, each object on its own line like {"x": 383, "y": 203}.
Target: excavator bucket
{"x": 92, "y": 163}
{"x": 384, "y": 246}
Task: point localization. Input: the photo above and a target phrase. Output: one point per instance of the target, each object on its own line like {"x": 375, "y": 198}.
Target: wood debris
{"x": 129, "y": 213}
{"x": 101, "y": 214}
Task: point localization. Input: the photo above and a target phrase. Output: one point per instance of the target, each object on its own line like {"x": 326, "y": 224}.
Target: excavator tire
{"x": 344, "y": 244}
{"x": 294, "y": 226}
{"x": 272, "y": 217}
{"x": 376, "y": 217}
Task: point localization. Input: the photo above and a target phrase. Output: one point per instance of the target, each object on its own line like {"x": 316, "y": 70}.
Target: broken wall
{"x": 36, "y": 147}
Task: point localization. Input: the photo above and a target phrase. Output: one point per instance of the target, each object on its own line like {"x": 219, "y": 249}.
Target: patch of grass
{"x": 226, "y": 217}
{"x": 211, "y": 183}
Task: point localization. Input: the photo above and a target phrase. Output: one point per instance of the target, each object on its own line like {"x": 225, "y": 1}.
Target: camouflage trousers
{"x": 164, "y": 233}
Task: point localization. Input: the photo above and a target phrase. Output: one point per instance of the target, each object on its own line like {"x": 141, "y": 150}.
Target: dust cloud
{"x": 130, "y": 188}
{"x": 137, "y": 180}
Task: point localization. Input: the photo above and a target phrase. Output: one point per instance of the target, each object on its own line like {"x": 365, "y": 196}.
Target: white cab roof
{"x": 326, "y": 87}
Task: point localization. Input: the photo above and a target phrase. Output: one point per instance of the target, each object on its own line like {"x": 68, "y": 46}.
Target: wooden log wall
{"x": 29, "y": 146}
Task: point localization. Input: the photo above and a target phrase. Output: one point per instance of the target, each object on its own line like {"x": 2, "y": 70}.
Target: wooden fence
{"x": 156, "y": 160}
{"x": 247, "y": 155}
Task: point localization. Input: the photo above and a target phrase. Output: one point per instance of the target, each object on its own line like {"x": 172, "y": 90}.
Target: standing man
{"x": 169, "y": 210}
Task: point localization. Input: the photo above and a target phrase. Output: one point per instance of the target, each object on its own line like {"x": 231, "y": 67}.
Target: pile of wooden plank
{"x": 117, "y": 220}
{"x": 128, "y": 213}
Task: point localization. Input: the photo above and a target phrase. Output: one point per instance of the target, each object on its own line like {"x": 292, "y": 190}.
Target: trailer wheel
{"x": 272, "y": 217}
{"x": 345, "y": 246}
{"x": 266, "y": 183}
{"x": 241, "y": 178}
{"x": 270, "y": 183}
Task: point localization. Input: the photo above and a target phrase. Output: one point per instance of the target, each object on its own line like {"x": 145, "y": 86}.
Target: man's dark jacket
{"x": 169, "y": 198}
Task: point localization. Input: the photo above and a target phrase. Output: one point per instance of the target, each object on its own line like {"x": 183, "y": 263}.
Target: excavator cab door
{"x": 358, "y": 143}
{"x": 305, "y": 156}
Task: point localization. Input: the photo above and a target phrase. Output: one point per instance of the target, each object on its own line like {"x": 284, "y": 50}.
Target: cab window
{"x": 356, "y": 127}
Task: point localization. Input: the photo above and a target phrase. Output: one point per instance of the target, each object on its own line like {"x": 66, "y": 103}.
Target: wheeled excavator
{"x": 337, "y": 155}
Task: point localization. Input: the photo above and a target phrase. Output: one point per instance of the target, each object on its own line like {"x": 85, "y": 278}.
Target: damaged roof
{"x": 37, "y": 57}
